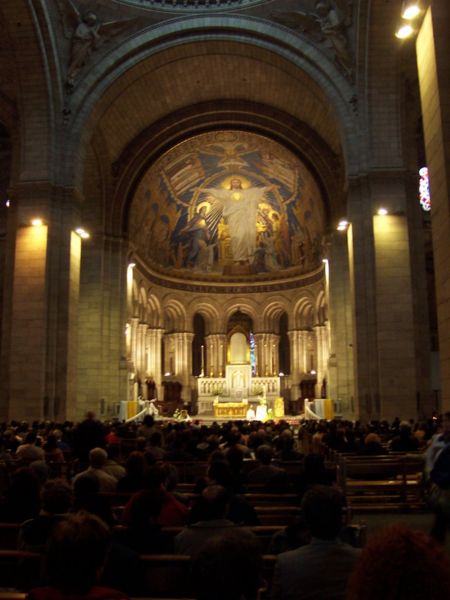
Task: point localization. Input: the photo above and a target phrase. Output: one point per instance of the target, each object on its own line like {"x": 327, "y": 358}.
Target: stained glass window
{"x": 253, "y": 354}
{"x": 424, "y": 189}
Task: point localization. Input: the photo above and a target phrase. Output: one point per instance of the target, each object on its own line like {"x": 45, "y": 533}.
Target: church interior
{"x": 224, "y": 206}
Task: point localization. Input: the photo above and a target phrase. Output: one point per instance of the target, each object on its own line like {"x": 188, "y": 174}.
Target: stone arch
{"x": 142, "y": 302}
{"x": 303, "y": 313}
{"x": 38, "y": 122}
{"x": 273, "y": 311}
{"x": 245, "y": 304}
{"x": 134, "y": 299}
{"x": 321, "y": 308}
{"x": 174, "y": 316}
{"x": 284, "y": 46}
{"x": 154, "y": 311}
{"x": 209, "y": 313}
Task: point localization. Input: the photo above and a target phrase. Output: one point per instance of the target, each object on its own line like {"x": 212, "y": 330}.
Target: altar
{"x": 235, "y": 410}
{"x": 241, "y": 392}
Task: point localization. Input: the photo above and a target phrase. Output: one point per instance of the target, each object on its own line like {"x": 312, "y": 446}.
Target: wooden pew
{"x": 382, "y": 483}
{"x": 20, "y": 570}
{"x": 9, "y": 536}
{"x": 169, "y": 575}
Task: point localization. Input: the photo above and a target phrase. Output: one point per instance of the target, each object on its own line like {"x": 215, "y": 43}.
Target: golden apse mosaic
{"x": 228, "y": 203}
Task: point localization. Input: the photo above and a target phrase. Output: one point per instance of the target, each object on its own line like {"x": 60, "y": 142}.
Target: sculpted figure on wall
{"x": 85, "y": 32}
{"x": 328, "y": 25}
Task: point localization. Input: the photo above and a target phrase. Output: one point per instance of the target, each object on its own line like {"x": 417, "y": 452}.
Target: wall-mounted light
{"x": 403, "y": 32}
{"x": 131, "y": 265}
{"x": 37, "y": 222}
{"x": 313, "y": 372}
{"x": 411, "y": 9}
{"x": 343, "y": 225}
{"x": 382, "y": 211}
{"x": 82, "y": 233}
{"x": 8, "y": 203}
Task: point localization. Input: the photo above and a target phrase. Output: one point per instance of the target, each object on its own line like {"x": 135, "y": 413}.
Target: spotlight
{"x": 410, "y": 10}
{"x": 405, "y": 31}
{"x": 342, "y": 225}
{"x": 82, "y": 233}
{"x": 131, "y": 265}
{"x": 37, "y": 222}
{"x": 383, "y": 211}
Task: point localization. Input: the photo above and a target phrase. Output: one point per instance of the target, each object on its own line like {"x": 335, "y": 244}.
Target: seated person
{"x": 211, "y": 510}
{"x": 228, "y": 567}
{"x": 172, "y": 513}
{"x": 97, "y": 462}
{"x": 319, "y": 570}
{"x": 75, "y": 558}
{"x": 274, "y": 478}
{"x": 56, "y": 503}
{"x": 403, "y": 564}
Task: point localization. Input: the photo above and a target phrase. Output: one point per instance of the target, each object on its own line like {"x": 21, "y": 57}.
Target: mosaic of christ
{"x": 228, "y": 202}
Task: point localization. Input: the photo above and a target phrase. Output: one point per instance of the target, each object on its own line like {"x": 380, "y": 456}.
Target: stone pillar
{"x": 340, "y": 364}
{"x": 305, "y": 358}
{"x": 141, "y": 365}
{"x": 321, "y": 335}
{"x": 272, "y": 343}
{"x": 296, "y": 360}
{"x": 134, "y": 324}
{"x": 38, "y": 355}
{"x": 433, "y": 61}
{"x": 260, "y": 359}
{"x": 154, "y": 366}
{"x": 386, "y": 375}
{"x": 184, "y": 362}
{"x": 215, "y": 354}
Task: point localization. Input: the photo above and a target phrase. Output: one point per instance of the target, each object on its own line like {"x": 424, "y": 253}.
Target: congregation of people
{"x": 57, "y": 480}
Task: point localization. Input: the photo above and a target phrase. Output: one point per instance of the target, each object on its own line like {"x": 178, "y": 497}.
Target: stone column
{"x": 305, "y": 358}
{"x": 321, "y": 341}
{"x": 215, "y": 354}
{"x": 141, "y": 365}
{"x": 184, "y": 362}
{"x": 154, "y": 366}
{"x": 296, "y": 362}
{"x": 210, "y": 356}
{"x": 387, "y": 377}
{"x": 134, "y": 324}
{"x": 39, "y": 336}
{"x": 433, "y": 61}
{"x": 340, "y": 367}
{"x": 272, "y": 364}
